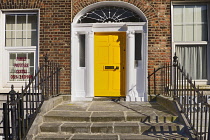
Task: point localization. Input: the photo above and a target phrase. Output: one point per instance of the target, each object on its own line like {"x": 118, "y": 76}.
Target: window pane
{"x": 31, "y": 72}
{"x": 193, "y": 59}
{"x": 32, "y": 22}
{"x": 19, "y": 34}
{"x": 10, "y": 34}
{"x": 137, "y": 46}
{"x": 32, "y": 38}
{"x": 10, "y": 22}
{"x": 24, "y": 31}
{"x": 189, "y": 35}
{"x": 201, "y": 33}
{"x": 82, "y": 50}
{"x": 21, "y": 66}
{"x": 178, "y": 33}
{"x": 178, "y": 14}
{"x": 189, "y": 14}
{"x": 12, "y": 59}
{"x": 194, "y": 23}
{"x": 110, "y": 14}
{"x": 10, "y": 42}
{"x": 31, "y": 59}
{"x": 21, "y": 22}
{"x": 10, "y": 38}
{"x": 201, "y": 14}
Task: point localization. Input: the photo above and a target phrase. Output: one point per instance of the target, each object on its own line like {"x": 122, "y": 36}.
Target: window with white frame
{"x": 20, "y": 44}
{"x": 190, "y": 37}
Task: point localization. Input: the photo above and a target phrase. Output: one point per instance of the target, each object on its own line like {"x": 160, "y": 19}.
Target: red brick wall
{"x": 55, "y": 23}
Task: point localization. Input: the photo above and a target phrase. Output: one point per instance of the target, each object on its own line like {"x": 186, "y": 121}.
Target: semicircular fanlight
{"x": 110, "y": 14}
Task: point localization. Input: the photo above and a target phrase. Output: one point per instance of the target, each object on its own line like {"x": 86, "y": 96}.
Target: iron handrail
{"x": 156, "y": 70}
{"x": 176, "y": 83}
{"x": 21, "y": 109}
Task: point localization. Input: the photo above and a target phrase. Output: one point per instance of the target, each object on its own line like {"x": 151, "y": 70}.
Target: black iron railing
{"x": 21, "y": 108}
{"x": 171, "y": 80}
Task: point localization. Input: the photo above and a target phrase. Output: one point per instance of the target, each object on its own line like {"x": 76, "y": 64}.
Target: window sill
{"x": 21, "y": 48}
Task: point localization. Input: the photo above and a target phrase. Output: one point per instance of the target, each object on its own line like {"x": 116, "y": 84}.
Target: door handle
{"x": 109, "y": 67}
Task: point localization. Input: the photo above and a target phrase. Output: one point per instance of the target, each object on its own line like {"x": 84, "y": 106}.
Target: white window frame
{"x": 207, "y": 43}
{"x": 5, "y": 83}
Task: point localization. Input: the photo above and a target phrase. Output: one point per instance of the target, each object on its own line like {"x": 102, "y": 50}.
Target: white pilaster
{"x": 130, "y": 83}
{"x": 90, "y": 64}
{"x": 75, "y": 41}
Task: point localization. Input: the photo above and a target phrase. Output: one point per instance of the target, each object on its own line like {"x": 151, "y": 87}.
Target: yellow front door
{"x": 109, "y": 61}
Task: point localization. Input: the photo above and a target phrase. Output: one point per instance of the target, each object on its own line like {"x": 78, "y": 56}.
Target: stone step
{"x": 69, "y": 116}
{"x": 116, "y": 127}
{"x": 109, "y": 137}
{"x": 115, "y": 99}
{"x": 147, "y": 128}
{"x": 109, "y": 120}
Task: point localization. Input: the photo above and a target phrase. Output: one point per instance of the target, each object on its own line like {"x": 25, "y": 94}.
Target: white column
{"x": 73, "y": 63}
{"x": 90, "y": 65}
{"x": 130, "y": 84}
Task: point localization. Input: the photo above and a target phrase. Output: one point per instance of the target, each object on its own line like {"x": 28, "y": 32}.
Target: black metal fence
{"x": 171, "y": 80}
{"x": 21, "y": 108}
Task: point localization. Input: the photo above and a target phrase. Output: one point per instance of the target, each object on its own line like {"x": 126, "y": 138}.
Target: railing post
{"x": 175, "y": 76}
{"x": 154, "y": 82}
{"x": 46, "y": 77}
{"x": 208, "y": 137}
{"x": 57, "y": 79}
{"x": 13, "y": 112}
{"x": 148, "y": 84}
{"x": 6, "y": 121}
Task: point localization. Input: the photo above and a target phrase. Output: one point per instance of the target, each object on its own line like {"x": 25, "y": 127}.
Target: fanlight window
{"x": 110, "y": 14}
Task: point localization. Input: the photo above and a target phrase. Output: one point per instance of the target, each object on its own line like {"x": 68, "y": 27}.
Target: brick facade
{"x": 54, "y": 33}
{"x": 55, "y": 24}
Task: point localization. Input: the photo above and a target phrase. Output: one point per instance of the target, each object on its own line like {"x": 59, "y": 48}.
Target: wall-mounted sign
{"x": 21, "y": 66}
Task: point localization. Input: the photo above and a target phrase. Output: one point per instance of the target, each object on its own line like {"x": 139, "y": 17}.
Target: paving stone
{"x": 102, "y": 128}
{"x": 70, "y": 108}
{"x": 137, "y": 137}
{"x": 50, "y": 127}
{"x": 73, "y": 106}
{"x": 168, "y": 136}
{"x": 159, "y": 108}
{"x": 95, "y": 137}
{"x": 67, "y": 116}
{"x": 107, "y": 106}
{"x": 165, "y": 117}
{"x": 126, "y": 128}
{"x": 139, "y": 116}
{"x": 107, "y": 116}
{"x": 76, "y": 127}
{"x": 160, "y": 127}
{"x": 53, "y": 137}
{"x": 139, "y": 103}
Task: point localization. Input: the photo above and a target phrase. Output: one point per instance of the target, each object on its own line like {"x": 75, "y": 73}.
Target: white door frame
{"x": 82, "y": 78}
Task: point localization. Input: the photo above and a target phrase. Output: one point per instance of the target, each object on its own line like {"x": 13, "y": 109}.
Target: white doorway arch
{"x": 82, "y": 45}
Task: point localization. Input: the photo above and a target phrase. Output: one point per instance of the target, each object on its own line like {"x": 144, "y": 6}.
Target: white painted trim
{"x": 20, "y": 10}
{"x": 1, "y": 48}
{"x": 192, "y": 43}
{"x": 86, "y": 89}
